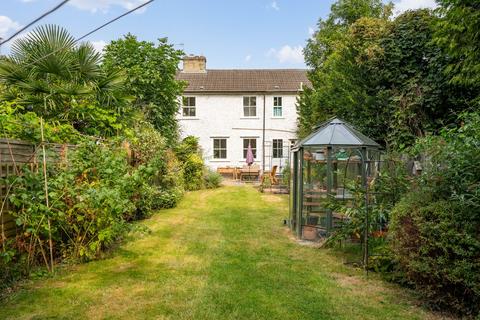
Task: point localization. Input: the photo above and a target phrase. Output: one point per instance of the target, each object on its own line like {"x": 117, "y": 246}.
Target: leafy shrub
{"x": 158, "y": 180}
{"x": 286, "y": 174}
{"x": 383, "y": 260}
{"x": 18, "y": 124}
{"x": 193, "y": 172}
{"x": 146, "y": 142}
{"x": 189, "y": 154}
{"x": 188, "y": 146}
{"x": 91, "y": 197}
{"x": 212, "y": 179}
{"x": 436, "y": 225}
{"x": 168, "y": 181}
{"x": 166, "y": 199}
{"x": 12, "y": 265}
{"x": 438, "y": 249}
{"x": 87, "y": 202}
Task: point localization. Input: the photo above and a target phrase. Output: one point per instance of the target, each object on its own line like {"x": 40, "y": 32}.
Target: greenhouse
{"x": 323, "y": 165}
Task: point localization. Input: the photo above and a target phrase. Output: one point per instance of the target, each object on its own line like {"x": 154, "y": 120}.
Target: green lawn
{"x": 221, "y": 254}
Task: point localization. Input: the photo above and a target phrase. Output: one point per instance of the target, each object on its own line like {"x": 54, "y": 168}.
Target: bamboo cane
{"x": 46, "y": 194}
{"x": 42, "y": 251}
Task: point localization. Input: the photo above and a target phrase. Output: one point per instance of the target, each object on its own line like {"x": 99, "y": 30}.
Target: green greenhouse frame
{"x": 321, "y": 166}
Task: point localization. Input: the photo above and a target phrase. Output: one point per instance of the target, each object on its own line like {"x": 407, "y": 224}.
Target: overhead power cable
{"x": 91, "y": 32}
{"x": 113, "y": 20}
{"x": 58, "y": 6}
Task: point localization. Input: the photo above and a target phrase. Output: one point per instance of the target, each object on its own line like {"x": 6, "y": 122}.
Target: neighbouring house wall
{"x": 221, "y": 116}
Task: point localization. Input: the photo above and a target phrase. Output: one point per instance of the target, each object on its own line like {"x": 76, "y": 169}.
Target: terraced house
{"x": 230, "y": 109}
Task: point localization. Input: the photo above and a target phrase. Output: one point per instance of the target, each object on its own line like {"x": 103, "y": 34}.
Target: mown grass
{"x": 221, "y": 254}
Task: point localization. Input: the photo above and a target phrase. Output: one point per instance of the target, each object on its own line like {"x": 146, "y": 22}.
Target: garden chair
{"x": 272, "y": 175}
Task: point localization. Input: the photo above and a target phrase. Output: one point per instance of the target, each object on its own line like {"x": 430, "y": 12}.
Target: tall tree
{"x": 458, "y": 32}
{"x": 419, "y": 96}
{"x": 150, "y": 70}
{"x": 339, "y": 84}
{"x": 331, "y": 31}
{"x": 385, "y": 76}
{"x": 49, "y": 74}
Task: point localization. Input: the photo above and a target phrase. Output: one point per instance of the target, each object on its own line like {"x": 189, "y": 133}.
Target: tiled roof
{"x": 245, "y": 80}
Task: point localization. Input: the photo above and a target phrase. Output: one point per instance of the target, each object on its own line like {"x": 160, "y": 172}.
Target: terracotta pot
{"x": 309, "y": 233}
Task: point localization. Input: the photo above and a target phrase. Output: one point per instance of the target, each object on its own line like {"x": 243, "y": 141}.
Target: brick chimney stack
{"x": 194, "y": 64}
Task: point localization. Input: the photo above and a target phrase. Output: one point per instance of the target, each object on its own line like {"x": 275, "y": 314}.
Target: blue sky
{"x": 231, "y": 34}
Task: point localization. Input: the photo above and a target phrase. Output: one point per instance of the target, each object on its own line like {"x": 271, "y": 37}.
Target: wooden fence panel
{"x": 14, "y": 155}
{"x": 9, "y": 225}
{"x": 16, "y": 152}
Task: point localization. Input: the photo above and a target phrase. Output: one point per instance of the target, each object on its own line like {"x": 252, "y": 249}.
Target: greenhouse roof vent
{"x": 336, "y": 132}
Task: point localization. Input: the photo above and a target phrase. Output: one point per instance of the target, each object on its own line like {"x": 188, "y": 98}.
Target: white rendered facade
{"x": 221, "y": 116}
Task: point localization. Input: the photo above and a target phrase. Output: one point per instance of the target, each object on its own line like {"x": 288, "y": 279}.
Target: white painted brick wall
{"x": 222, "y": 116}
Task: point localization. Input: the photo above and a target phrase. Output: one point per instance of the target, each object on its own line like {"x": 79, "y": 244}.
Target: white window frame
{"x": 277, "y": 152}
{"x": 250, "y": 106}
{"x": 220, "y": 148}
{"x": 189, "y": 109}
{"x": 277, "y": 105}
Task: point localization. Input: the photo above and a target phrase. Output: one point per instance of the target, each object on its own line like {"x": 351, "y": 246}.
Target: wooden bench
{"x": 250, "y": 171}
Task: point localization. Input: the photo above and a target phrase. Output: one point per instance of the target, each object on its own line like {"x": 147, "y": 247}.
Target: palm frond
{"x": 87, "y": 62}
{"x": 46, "y": 50}
{"x": 11, "y": 72}
{"x": 71, "y": 89}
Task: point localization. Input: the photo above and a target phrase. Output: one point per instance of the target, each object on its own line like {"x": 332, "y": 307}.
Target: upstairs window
{"x": 188, "y": 105}
{"x": 249, "y": 106}
{"x": 277, "y": 107}
{"x": 253, "y": 145}
{"x": 219, "y": 148}
{"x": 277, "y": 148}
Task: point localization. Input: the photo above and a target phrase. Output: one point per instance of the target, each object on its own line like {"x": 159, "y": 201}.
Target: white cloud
{"x": 5, "y": 49}
{"x": 104, "y": 5}
{"x": 248, "y": 58}
{"x": 287, "y": 54}
{"x": 274, "y": 6}
{"x": 404, "y": 5}
{"x": 98, "y": 45}
{"x": 7, "y": 25}
{"x": 311, "y": 31}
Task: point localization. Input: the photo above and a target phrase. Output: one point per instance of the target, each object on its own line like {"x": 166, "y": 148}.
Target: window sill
{"x": 278, "y": 118}
{"x": 189, "y": 118}
{"x": 250, "y": 118}
{"x": 219, "y": 160}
